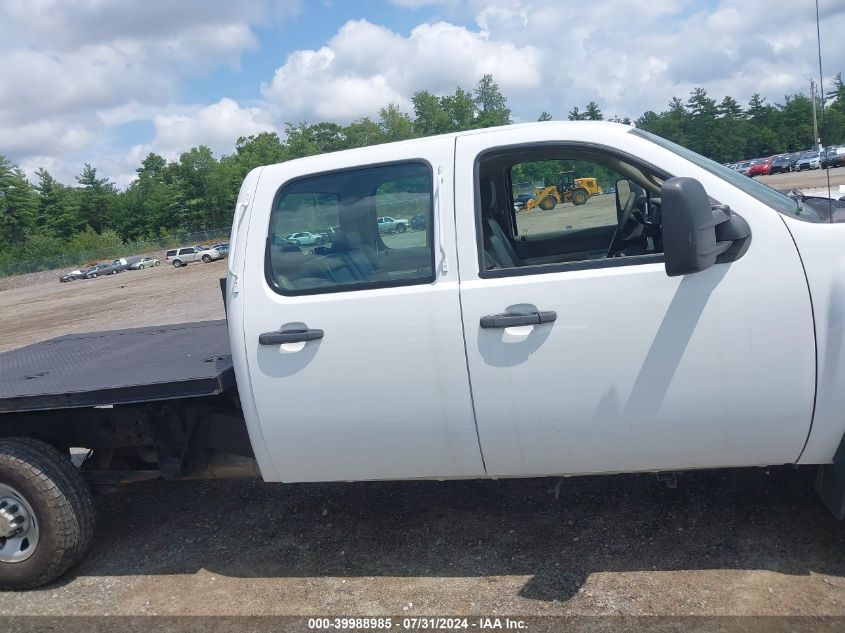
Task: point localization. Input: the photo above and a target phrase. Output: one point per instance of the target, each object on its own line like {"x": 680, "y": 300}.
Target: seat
{"x": 498, "y": 249}
{"x": 360, "y": 259}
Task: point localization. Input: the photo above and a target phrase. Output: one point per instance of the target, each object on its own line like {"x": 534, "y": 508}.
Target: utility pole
{"x": 816, "y": 139}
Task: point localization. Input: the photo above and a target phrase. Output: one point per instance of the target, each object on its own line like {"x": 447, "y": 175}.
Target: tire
{"x": 53, "y": 489}
{"x": 206, "y": 259}
{"x": 114, "y": 272}
{"x": 401, "y": 228}
{"x": 548, "y": 203}
{"x": 177, "y": 263}
{"x": 579, "y": 197}
{"x": 140, "y": 267}
{"x": 156, "y": 263}
{"x": 93, "y": 275}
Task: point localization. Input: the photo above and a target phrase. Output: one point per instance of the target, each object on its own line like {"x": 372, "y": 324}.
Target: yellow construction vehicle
{"x": 568, "y": 189}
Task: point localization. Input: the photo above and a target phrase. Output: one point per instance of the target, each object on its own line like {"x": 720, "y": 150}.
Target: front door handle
{"x": 511, "y": 319}
{"x": 289, "y": 336}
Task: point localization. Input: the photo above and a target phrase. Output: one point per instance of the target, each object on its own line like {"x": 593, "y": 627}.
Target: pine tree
{"x": 18, "y": 204}
{"x": 491, "y": 104}
{"x": 592, "y": 113}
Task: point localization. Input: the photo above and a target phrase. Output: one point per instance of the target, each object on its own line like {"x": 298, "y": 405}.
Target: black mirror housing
{"x": 689, "y": 231}
{"x": 697, "y": 235}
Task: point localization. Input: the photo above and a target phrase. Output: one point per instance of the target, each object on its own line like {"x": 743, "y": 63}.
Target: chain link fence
{"x": 83, "y": 258}
{"x": 527, "y": 187}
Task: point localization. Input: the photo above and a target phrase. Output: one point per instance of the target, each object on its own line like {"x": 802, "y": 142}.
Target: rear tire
{"x": 36, "y": 478}
{"x": 177, "y": 263}
{"x": 156, "y": 264}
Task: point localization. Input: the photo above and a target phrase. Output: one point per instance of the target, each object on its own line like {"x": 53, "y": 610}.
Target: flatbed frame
{"x": 98, "y": 369}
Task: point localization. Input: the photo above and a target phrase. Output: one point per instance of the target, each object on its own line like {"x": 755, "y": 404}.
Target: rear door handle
{"x": 289, "y": 336}
{"x": 511, "y": 319}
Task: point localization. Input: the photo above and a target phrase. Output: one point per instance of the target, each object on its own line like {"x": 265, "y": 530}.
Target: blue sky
{"x": 107, "y": 83}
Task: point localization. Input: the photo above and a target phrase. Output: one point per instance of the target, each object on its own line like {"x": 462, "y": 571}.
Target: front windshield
{"x": 765, "y": 194}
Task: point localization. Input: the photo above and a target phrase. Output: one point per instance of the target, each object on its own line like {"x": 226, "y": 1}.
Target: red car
{"x": 760, "y": 167}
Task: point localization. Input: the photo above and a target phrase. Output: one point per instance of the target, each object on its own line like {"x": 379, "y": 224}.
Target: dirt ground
{"x": 134, "y": 298}
{"x": 742, "y": 542}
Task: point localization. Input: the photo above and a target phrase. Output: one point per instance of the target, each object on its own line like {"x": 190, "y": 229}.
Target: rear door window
{"x": 340, "y": 213}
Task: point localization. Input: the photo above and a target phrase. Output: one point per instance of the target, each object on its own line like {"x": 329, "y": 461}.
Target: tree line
{"x": 197, "y": 192}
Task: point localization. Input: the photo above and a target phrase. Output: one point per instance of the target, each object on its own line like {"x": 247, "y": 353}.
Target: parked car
{"x": 833, "y": 157}
{"x": 783, "y": 164}
{"x": 521, "y": 200}
{"x": 808, "y": 160}
{"x": 419, "y": 221}
{"x": 222, "y": 248}
{"x": 124, "y": 263}
{"x": 182, "y": 256}
{"x": 145, "y": 262}
{"x": 743, "y": 167}
{"x": 386, "y": 224}
{"x": 105, "y": 268}
{"x": 74, "y": 275}
{"x": 760, "y": 167}
{"x": 305, "y": 238}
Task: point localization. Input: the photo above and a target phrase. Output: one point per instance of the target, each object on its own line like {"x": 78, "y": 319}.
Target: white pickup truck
{"x": 695, "y": 319}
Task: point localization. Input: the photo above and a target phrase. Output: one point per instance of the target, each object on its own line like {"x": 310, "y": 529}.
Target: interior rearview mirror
{"x": 696, "y": 234}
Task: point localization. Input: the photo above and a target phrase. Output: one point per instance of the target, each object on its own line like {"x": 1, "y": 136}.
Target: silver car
{"x": 386, "y": 224}
{"x": 183, "y": 256}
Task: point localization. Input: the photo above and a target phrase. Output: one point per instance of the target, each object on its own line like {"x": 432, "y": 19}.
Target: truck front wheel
{"x": 46, "y": 513}
{"x": 579, "y": 197}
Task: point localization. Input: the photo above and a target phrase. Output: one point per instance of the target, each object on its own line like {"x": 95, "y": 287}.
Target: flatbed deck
{"x": 146, "y": 364}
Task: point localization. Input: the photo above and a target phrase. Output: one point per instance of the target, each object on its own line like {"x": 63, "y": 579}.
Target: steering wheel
{"x": 627, "y": 210}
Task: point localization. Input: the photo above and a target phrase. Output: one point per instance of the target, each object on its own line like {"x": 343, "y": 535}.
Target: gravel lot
{"x": 742, "y": 542}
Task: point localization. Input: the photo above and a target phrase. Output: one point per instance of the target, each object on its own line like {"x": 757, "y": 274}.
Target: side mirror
{"x": 697, "y": 235}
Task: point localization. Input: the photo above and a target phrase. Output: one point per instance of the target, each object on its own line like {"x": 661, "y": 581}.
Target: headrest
{"x": 344, "y": 241}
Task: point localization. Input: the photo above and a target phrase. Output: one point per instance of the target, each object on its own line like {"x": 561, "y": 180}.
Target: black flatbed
{"x": 146, "y": 364}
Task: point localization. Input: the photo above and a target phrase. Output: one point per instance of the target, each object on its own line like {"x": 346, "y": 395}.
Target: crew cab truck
{"x": 693, "y": 320}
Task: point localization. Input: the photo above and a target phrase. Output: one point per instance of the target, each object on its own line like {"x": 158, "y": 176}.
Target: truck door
{"x": 585, "y": 356}
{"x": 354, "y": 347}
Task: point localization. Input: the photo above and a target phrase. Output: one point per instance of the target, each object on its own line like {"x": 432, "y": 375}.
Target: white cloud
{"x": 217, "y": 125}
{"x": 417, "y": 4}
{"x": 72, "y": 69}
{"x": 631, "y": 56}
{"x": 46, "y": 136}
{"x": 365, "y": 66}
